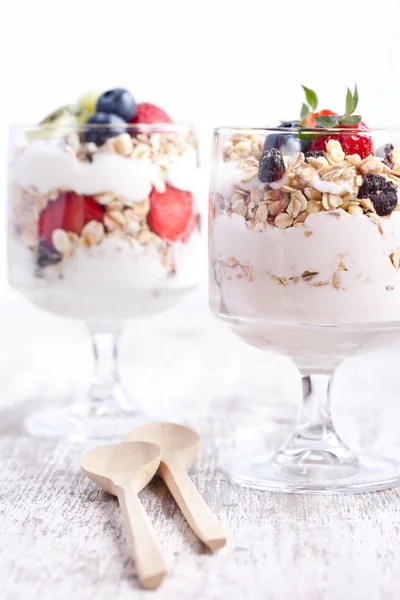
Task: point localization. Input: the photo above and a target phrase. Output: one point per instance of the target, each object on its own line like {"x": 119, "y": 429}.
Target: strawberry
{"x": 352, "y": 142}
{"x": 71, "y": 212}
{"x": 150, "y": 113}
{"x": 172, "y": 215}
{"x": 310, "y": 119}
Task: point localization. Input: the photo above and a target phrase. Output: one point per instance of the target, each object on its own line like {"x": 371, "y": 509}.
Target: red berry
{"x": 310, "y": 120}
{"x": 352, "y": 143}
{"x": 150, "y": 113}
{"x": 70, "y": 212}
{"x": 172, "y": 215}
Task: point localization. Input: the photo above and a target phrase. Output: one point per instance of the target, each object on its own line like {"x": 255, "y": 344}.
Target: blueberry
{"x": 271, "y": 166}
{"x": 117, "y": 102}
{"x": 113, "y": 126}
{"x": 382, "y": 193}
{"x": 287, "y": 143}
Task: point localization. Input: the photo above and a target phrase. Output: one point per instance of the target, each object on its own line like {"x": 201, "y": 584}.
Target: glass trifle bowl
{"x": 304, "y": 253}
{"x": 103, "y": 228}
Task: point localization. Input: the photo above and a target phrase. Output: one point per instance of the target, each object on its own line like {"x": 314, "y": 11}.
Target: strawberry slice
{"x": 71, "y": 212}
{"x": 352, "y": 142}
{"x": 172, "y": 215}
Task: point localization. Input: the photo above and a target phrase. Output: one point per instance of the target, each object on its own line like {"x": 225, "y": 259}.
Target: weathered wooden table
{"x": 61, "y": 538}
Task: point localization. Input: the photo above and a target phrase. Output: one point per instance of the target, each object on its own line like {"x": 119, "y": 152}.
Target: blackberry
{"x": 382, "y": 193}
{"x": 385, "y": 152}
{"x": 272, "y": 166}
{"x": 47, "y": 255}
{"x": 313, "y": 154}
{"x": 385, "y": 202}
{"x": 371, "y": 185}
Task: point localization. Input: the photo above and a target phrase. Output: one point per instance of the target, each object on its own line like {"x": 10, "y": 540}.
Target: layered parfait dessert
{"x": 305, "y": 229}
{"x": 103, "y": 219}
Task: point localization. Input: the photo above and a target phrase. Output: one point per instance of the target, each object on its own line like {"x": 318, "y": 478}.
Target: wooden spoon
{"x": 124, "y": 470}
{"x": 180, "y": 446}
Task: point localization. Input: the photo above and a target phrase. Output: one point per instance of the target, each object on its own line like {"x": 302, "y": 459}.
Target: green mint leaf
{"x": 349, "y": 102}
{"x": 311, "y": 97}
{"x": 355, "y": 98}
{"x": 350, "y": 120}
{"x": 306, "y": 135}
{"x": 327, "y": 122}
{"x": 304, "y": 111}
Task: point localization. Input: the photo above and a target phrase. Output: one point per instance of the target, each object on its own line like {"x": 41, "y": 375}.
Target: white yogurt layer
{"x": 46, "y": 166}
{"x": 183, "y": 172}
{"x": 110, "y": 280}
{"x": 367, "y": 292}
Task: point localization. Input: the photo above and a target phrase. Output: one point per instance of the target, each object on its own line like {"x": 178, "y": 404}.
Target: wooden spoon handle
{"x": 149, "y": 562}
{"x": 200, "y": 518}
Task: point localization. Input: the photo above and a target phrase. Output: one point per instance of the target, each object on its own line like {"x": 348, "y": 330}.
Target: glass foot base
{"x": 80, "y": 422}
{"x": 366, "y": 474}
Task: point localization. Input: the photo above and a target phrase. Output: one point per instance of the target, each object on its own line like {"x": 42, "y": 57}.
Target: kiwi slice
{"x": 60, "y": 122}
{"x": 88, "y": 101}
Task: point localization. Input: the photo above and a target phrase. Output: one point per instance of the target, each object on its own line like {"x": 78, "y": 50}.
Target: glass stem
{"x": 106, "y": 391}
{"x": 316, "y": 419}
{"x": 315, "y": 440}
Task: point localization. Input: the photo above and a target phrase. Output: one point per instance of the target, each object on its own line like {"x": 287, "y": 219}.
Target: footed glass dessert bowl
{"x": 304, "y": 230}
{"x": 103, "y": 228}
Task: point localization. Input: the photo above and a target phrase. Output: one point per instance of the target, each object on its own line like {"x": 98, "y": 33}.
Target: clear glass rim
{"x": 140, "y": 127}
{"x": 311, "y": 130}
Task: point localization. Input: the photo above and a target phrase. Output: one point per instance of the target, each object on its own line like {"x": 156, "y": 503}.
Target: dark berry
{"x": 385, "y": 202}
{"x": 47, "y": 255}
{"x": 371, "y": 185}
{"x": 117, "y": 102}
{"x": 385, "y": 152}
{"x": 113, "y": 125}
{"x": 287, "y": 143}
{"x": 272, "y": 166}
{"x": 313, "y": 154}
{"x": 382, "y": 193}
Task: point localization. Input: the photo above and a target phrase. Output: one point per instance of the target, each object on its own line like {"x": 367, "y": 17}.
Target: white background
{"x": 210, "y": 62}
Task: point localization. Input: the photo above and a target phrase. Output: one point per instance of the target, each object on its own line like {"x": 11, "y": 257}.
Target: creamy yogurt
{"x": 46, "y": 166}
{"x": 355, "y": 280}
{"x": 318, "y": 319}
{"x": 111, "y": 280}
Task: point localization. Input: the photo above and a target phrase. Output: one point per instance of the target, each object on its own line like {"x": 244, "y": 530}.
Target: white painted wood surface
{"x": 62, "y": 538}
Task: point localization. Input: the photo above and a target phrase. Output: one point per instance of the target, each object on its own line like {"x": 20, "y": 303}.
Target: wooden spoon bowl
{"x": 112, "y": 465}
{"x": 174, "y": 439}
{"x": 180, "y": 447}
{"x": 124, "y": 470}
